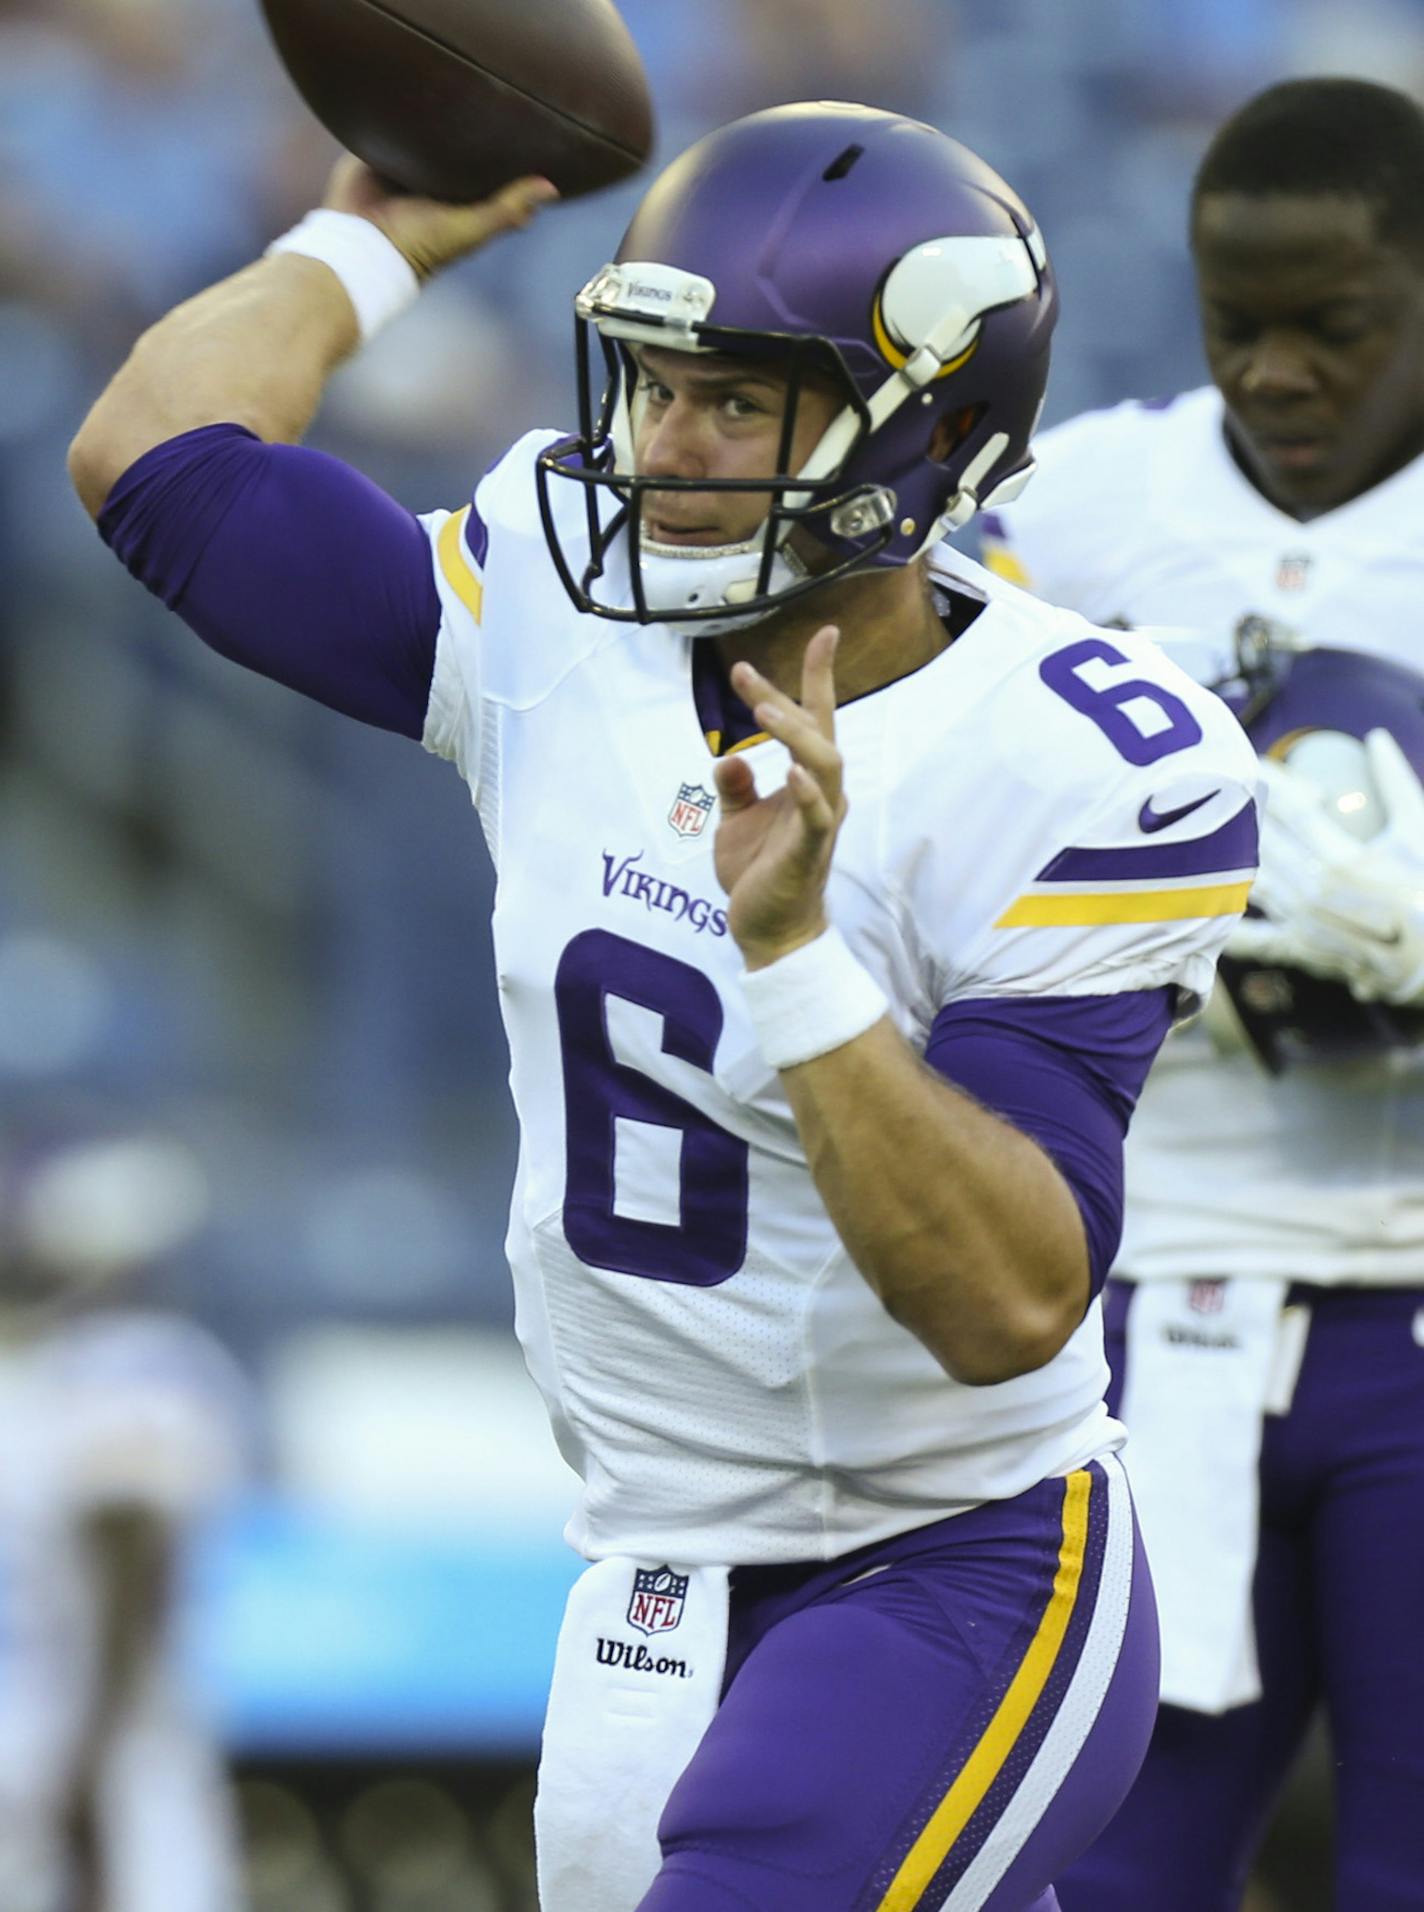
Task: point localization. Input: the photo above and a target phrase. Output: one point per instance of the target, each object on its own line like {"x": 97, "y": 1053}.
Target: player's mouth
{"x": 660, "y": 531}
{"x": 1291, "y": 451}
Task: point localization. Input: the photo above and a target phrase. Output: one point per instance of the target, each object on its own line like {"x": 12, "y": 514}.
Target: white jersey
{"x": 131, "y": 1410}
{"x": 719, "y": 1375}
{"x": 1141, "y": 514}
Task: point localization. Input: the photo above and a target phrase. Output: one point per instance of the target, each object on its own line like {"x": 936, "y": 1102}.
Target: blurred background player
{"x": 1266, "y": 1319}
{"x": 121, "y": 1428}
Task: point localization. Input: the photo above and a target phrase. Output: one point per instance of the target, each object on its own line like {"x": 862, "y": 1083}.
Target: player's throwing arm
{"x": 257, "y": 349}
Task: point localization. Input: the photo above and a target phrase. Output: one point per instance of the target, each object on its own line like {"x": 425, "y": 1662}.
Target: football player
{"x": 832, "y": 954}
{"x": 1266, "y": 1317}
{"x": 120, "y": 1428}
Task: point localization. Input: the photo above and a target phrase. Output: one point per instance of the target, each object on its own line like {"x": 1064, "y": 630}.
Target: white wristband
{"x": 378, "y": 278}
{"x": 810, "y": 1002}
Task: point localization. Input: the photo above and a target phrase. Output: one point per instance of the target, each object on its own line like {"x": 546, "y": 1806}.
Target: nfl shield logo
{"x": 1293, "y": 571}
{"x": 658, "y": 1596}
{"x": 692, "y": 809}
{"x": 1207, "y": 1297}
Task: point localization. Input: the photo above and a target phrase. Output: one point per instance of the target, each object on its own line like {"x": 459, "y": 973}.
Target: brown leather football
{"x": 453, "y": 98}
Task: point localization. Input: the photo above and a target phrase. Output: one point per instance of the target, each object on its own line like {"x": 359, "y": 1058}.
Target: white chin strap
{"x": 679, "y": 578}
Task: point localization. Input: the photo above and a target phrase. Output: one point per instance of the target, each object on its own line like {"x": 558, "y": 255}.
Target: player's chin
{"x": 1303, "y": 476}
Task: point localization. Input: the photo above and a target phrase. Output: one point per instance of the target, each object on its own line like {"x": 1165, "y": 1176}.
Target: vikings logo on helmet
{"x": 843, "y": 243}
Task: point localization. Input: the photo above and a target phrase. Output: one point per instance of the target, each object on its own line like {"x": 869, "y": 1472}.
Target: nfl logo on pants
{"x": 657, "y": 1600}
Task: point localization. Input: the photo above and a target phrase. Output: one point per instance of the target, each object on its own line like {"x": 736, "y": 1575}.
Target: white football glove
{"x": 1337, "y": 906}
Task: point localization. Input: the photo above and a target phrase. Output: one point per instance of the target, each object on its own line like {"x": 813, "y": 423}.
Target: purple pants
{"x": 1339, "y": 1601}
{"x": 941, "y": 1721}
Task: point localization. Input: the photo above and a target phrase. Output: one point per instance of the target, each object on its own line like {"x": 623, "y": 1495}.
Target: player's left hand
{"x": 1336, "y": 906}
{"x": 773, "y": 853}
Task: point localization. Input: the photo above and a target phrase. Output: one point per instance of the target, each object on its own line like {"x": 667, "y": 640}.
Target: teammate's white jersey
{"x": 718, "y": 1373}
{"x": 131, "y": 1410}
{"x": 1140, "y": 513}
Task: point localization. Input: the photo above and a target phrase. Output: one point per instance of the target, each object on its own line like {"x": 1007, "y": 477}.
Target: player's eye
{"x": 1232, "y": 328}
{"x": 1343, "y": 327}
{"x": 741, "y": 405}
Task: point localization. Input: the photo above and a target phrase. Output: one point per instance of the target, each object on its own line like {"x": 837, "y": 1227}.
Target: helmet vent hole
{"x": 842, "y": 164}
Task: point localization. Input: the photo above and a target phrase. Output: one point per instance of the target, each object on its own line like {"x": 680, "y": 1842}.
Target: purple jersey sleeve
{"x": 1066, "y": 1070}
{"x": 287, "y": 561}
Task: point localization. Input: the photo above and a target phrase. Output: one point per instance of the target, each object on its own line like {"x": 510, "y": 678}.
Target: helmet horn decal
{"x": 929, "y": 312}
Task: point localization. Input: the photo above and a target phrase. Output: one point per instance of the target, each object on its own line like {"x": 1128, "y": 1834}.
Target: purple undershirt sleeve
{"x": 289, "y": 562}
{"x": 1066, "y": 1070}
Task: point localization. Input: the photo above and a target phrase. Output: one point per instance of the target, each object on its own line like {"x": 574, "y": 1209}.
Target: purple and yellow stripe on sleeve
{"x": 996, "y": 554}
{"x": 453, "y": 549}
{"x": 1149, "y": 882}
{"x": 1004, "y": 563}
{"x": 987, "y": 1775}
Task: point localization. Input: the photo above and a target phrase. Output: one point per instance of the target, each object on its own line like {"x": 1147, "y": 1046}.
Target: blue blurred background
{"x": 242, "y": 920}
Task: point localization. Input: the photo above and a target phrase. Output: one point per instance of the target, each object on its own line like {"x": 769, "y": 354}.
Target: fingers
{"x": 450, "y": 231}
{"x": 818, "y": 679}
{"x": 736, "y": 784}
{"x": 817, "y": 815}
{"x": 1257, "y": 940}
{"x": 515, "y": 203}
{"x": 806, "y": 729}
{"x": 350, "y": 185}
{"x": 432, "y": 232}
{"x": 1399, "y": 787}
{"x": 736, "y": 788}
{"x": 518, "y": 202}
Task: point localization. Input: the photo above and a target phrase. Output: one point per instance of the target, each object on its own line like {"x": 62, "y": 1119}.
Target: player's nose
{"x": 671, "y": 444}
{"x": 1276, "y": 368}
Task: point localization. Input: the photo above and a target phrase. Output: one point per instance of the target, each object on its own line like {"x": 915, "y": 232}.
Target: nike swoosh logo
{"x": 1149, "y": 819}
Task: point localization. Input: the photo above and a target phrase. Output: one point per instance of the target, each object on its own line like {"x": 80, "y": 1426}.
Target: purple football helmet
{"x": 1287, "y": 697}
{"x": 835, "y": 240}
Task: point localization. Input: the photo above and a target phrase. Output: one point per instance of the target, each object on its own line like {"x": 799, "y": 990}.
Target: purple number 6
{"x": 708, "y": 1243}
{"x": 1107, "y": 707}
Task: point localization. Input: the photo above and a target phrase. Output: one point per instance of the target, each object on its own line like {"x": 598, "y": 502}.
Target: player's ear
{"x": 950, "y": 431}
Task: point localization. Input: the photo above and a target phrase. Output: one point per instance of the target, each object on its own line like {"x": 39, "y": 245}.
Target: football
{"x": 454, "y": 98}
